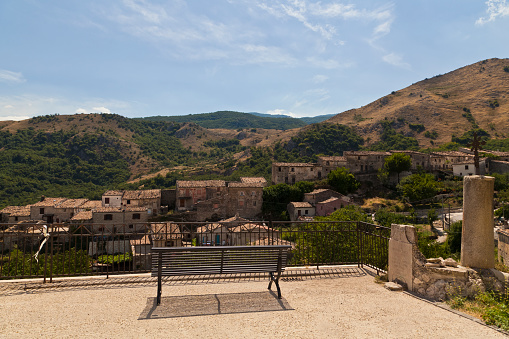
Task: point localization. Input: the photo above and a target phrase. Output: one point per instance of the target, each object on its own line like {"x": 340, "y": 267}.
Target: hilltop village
{"x": 213, "y": 200}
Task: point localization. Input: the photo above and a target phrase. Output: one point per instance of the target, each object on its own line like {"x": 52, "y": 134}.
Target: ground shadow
{"x": 213, "y": 304}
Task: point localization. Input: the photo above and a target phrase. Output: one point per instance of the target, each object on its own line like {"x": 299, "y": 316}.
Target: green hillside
{"x": 233, "y": 120}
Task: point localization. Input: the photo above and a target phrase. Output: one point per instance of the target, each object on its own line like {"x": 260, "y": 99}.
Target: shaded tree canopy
{"x": 343, "y": 181}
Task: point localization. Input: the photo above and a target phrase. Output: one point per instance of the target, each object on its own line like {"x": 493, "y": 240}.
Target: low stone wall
{"x": 435, "y": 279}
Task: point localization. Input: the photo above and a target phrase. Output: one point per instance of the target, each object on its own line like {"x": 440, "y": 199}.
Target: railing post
{"x": 359, "y": 246}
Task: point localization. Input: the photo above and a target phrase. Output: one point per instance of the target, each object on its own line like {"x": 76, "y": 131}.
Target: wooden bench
{"x": 207, "y": 260}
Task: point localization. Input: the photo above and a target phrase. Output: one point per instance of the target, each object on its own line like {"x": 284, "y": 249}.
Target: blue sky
{"x": 298, "y": 57}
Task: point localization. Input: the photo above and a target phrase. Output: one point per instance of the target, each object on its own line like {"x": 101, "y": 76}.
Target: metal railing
{"x": 37, "y": 250}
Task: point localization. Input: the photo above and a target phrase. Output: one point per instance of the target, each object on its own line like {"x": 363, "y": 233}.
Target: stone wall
{"x": 435, "y": 279}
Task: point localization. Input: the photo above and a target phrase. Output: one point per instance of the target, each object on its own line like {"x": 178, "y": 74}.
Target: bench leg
{"x": 159, "y": 291}
{"x": 276, "y": 281}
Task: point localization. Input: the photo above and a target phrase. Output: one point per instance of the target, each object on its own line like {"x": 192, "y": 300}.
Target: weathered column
{"x": 477, "y": 244}
{"x": 401, "y": 258}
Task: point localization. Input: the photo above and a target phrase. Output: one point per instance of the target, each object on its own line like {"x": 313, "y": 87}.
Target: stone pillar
{"x": 477, "y": 242}
{"x": 401, "y": 258}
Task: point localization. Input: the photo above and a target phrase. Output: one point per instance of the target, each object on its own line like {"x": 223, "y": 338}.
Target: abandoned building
{"x": 218, "y": 199}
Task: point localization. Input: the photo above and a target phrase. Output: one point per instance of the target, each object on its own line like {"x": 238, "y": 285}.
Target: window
{"x": 131, "y": 226}
{"x": 129, "y": 202}
{"x": 106, "y": 200}
{"x": 136, "y": 216}
{"x": 41, "y": 210}
{"x": 182, "y": 203}
{"x": 108, "y": 217}
{"x": 466, "y": 166}
{"x": 253, "y": 193}
{"x": 241, "y": 193}
{"x": 306, "y": 212}
{"x": 293, "y": 169}
{"x": 216, "y": 206}
{"x": 279, "y": 169}
{"x": 15, "y": 218}
{"x": 254, "y": 203}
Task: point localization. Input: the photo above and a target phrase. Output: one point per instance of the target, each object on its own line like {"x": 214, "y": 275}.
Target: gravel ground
{"x": 341, "y": 307}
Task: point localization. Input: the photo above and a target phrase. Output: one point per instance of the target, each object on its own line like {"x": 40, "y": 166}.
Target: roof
{"x": 333, "y": 158}
{"x": 17, "y": 211}
{"x": 49, "y": 202}
{"x": 299, "y": 204}
{"x": 328, "y": 200}
{"x": 246, "y": 184}
{"x": 345, "y": 153}
{"x": 497, "y": 153}
{"x": 408, "y": 152}
{"x": 142, "y": 194}
{"x": 293, "y": 164}
{"x": 451, "y": 154}
{"x": 72, "y": 203}
{"x": 200, "y": 183}
{"x": 83, "y": 215}
{"x": 248, "y": 180}
{"x": 90, "y": 204}
{"x": 319, "y": 190}
{"x": 113, "y": 192}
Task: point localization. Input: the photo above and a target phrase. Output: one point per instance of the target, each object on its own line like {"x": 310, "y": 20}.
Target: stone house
{"x": 120, "y": 219}
{"x": 298, "y": 209}
{"x": 67, "y": 209}
{"x": 189, "y": 193}
{"x": 112, "y": 198}
{"x": 321, "y": 194}
{"x": 467, "y": 168}
{"x": 326, "y": 207}
{"x": 143, "y": 198}
{"x": 359, "y": 162}
{"x": 46, "y": 209}
{"x": 445, "y": 160}
{"x": 14, "y": 214}
{"x": 329, "y": 164}
{"x": 290, "y": 173}
{"x": 245, "y": 198}
{"x": 218, "y": 199}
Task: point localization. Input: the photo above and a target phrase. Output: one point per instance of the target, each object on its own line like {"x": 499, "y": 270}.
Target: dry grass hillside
{"x": 441, "y": 104}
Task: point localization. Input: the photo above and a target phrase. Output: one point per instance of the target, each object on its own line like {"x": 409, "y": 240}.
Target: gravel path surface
{"x": 349, "y": 307}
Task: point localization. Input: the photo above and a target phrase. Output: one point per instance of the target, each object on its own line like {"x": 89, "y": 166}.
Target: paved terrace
{"x": 341, "y": 302}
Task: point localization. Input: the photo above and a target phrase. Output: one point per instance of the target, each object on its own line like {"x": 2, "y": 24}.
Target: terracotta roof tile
{"x": 200, "y": 183}
{"x": 299, "y": 204}
{"x": 142, "y": 194}
{"x": 113, "y": 192}
{"x": 49, "y": 202}
{"x": 83, "y": 215}
{"x": 72, "y": 203}
{"x": 294, "y": 164}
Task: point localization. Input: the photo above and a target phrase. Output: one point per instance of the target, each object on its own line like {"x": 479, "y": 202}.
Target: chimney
{"x": 43, "y": 197}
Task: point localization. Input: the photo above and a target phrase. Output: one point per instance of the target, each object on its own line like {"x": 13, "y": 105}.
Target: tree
{"x": 397, "y": 163}
{"x": 343, "y": 181}
{"x": 419, "y": 186}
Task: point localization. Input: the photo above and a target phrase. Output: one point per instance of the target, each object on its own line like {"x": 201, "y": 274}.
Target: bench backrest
{"x": 218, "y": 259}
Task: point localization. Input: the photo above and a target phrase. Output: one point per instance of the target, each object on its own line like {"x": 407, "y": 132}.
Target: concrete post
{"x": 477, "y": 243}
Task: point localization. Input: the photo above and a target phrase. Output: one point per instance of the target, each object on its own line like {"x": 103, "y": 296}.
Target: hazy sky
{"x": 298, "y": 57}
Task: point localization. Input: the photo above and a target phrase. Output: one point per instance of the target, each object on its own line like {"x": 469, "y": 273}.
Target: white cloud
{"x": 281, "y": 112}
{"x": 11, "y": 77}
{"x": 81, "y": 111}
{"x": 496, "y": 8}
{"x": 13, "y": 118}
{"x": 101, "y": 110}
{"x": 320, "y": 78}
{"x": 395, "y": 60}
